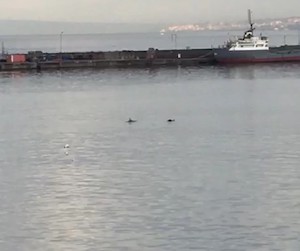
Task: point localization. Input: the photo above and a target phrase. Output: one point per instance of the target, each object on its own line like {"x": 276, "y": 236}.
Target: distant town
{"x": 291, "y": 23}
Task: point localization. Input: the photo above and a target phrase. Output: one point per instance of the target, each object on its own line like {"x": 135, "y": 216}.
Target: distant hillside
{"x": 21, "y": 27}
{"x": 290, "y": 23}
{"x": 14, "y": 27}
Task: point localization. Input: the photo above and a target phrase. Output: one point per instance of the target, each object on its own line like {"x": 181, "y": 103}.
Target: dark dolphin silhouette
{"x": 131, "y": 120}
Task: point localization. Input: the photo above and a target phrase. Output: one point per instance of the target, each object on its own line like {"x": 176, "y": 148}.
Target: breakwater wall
{"x": 37, "y": 60}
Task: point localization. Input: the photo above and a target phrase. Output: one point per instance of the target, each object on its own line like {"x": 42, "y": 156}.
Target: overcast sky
{"x": 145, "y": 11}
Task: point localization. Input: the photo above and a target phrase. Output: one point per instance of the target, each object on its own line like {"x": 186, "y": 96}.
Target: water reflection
{"x": 259, "y": 71}
{"x": 227, "y": 166}
{"x": 247, "y": 71}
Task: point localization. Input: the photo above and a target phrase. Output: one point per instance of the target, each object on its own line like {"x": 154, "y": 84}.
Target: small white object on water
{"x": 67, "y": 146}
{"x": 67, "y": 153}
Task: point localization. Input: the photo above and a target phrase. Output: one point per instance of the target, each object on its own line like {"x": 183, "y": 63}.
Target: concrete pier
{"x": 37, "y": 60}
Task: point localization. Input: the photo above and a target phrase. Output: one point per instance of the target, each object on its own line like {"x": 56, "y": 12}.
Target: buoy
{"x": 67, "y": 146}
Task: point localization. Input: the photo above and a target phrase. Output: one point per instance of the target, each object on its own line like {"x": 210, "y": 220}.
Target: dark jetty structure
{"x": 38, "y": 60}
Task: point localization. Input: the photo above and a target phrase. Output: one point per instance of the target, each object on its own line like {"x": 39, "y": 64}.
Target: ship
{"x": 255, "y": 49}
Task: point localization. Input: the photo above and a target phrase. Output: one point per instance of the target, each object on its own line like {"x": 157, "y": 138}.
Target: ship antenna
{"x": 250, "y": 20}
{"x": 3, "y": 49}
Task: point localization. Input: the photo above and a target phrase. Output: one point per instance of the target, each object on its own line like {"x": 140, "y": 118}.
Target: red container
{"x": 16, "y": 58}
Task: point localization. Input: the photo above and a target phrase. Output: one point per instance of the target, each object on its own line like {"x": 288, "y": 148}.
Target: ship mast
{"x": 250, "y": 20}
{"x": 249, "y": 33}
{"x": 3, "y": 49}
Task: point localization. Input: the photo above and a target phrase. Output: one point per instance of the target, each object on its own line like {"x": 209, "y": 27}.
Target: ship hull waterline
{"x": 276, "y": 55}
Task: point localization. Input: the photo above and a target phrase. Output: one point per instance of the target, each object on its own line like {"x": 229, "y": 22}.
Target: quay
{"x": 38, "y": 60}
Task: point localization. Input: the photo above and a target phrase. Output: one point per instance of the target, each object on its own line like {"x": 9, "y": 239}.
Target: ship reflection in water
{"x": 251, "y": 72}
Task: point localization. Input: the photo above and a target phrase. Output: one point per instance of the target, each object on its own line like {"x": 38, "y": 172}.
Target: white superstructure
{"x": 249, "y": 41}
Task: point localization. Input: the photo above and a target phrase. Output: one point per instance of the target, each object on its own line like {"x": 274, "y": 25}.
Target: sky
{"x": 145, "y": 11}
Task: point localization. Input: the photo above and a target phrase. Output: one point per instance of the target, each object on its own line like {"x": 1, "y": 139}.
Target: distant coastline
{"x": 31, "y": 27}
{"x": 291, "y": 23}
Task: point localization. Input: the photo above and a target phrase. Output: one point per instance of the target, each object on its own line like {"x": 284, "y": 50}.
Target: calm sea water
{"x": 138, "y": 41}
{"x": 224, "y": 176}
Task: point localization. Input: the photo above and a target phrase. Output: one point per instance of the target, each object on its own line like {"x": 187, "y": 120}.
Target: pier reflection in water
{"x": 224, "y": 175}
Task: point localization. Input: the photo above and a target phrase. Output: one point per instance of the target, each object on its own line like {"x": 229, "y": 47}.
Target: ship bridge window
{"x": 247, "y": 45}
